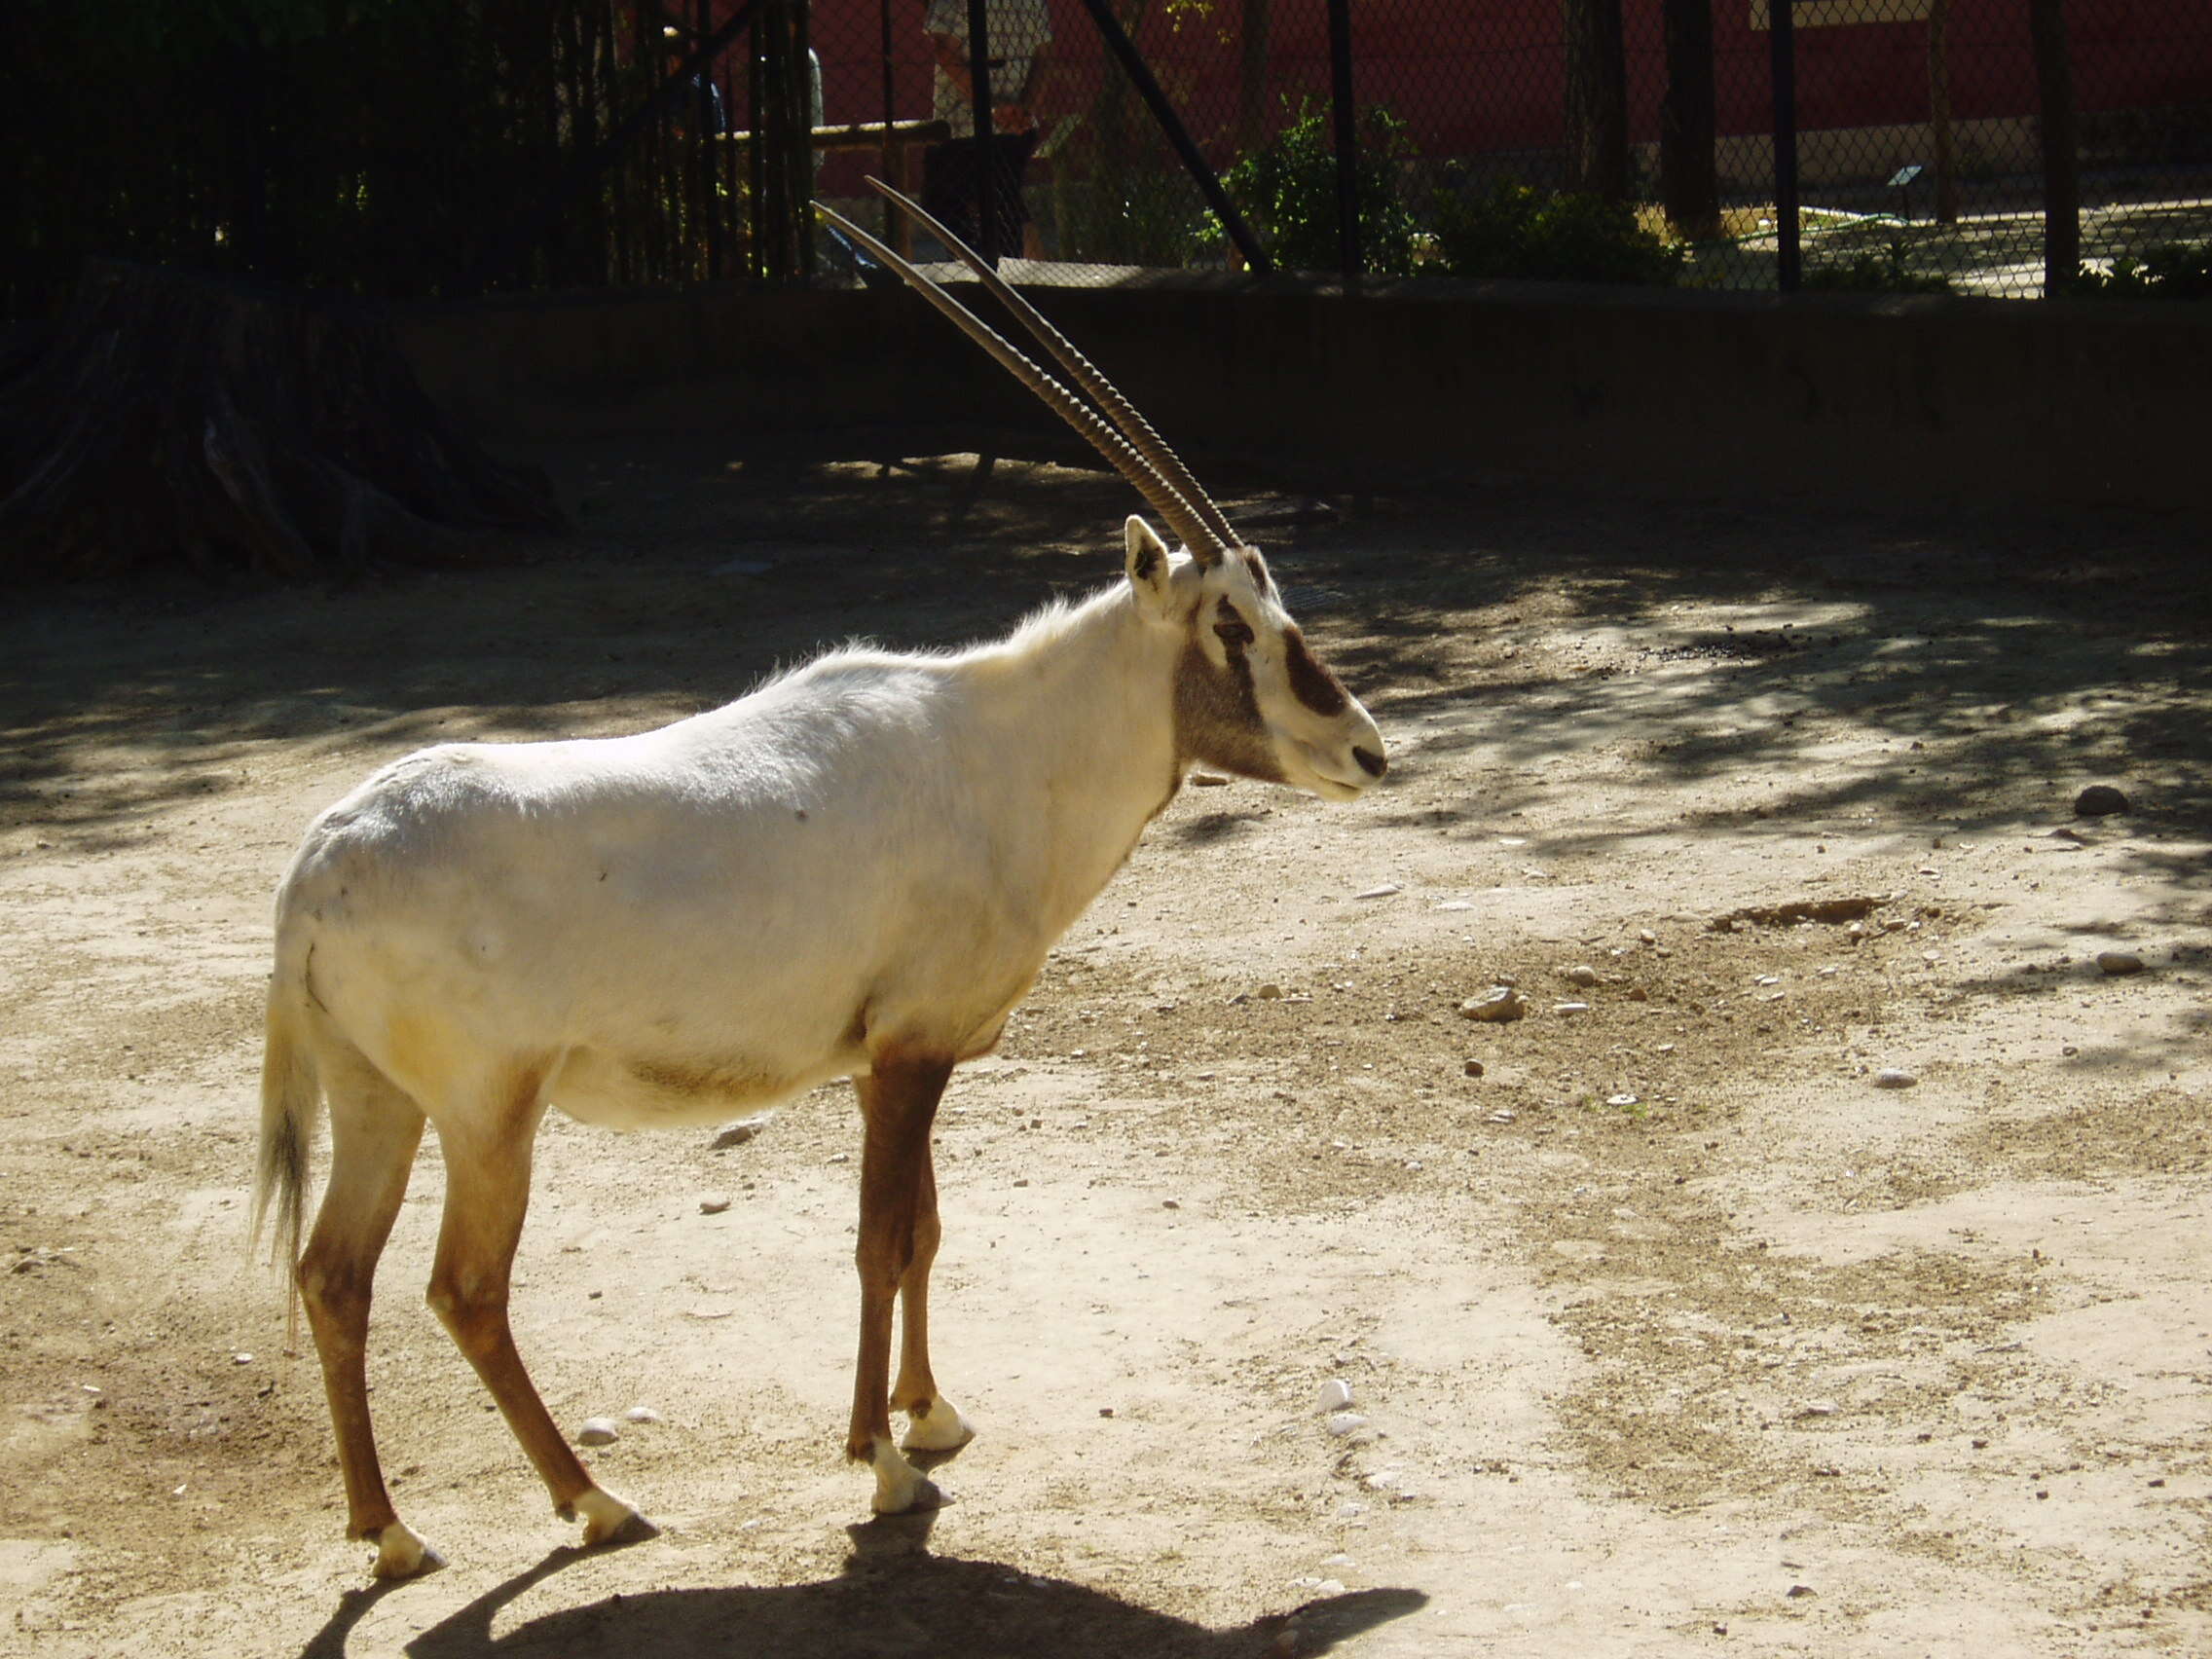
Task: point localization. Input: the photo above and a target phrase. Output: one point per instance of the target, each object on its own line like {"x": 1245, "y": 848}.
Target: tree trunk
{"x": 1597, "y": 98}
{"x": 242, "y": 431}
{"x": 2061, "y": 175}
{"x": 1944, "y": 156}
{"x": 1688, "y": 181}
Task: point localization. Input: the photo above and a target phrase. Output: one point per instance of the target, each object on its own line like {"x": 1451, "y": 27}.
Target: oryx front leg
{"x": 898, "y": 1104}
{"x": 933, "y": 1424}
{"x": 487, "y": 1193}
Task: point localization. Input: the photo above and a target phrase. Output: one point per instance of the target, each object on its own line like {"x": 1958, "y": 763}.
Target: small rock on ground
{"x": 1893, "y": 1076}
{"x": 1497, "y": 1004}
{"x": 713, "y": 1204}
{"x": 2100, "y": 800}
{"x": 738, "y": 1133}
{"x": 597, "y": 1431}
{"x": 2120, "y": 962}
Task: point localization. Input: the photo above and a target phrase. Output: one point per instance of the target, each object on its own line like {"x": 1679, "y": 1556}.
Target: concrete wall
{"x": 1841, "y": 396}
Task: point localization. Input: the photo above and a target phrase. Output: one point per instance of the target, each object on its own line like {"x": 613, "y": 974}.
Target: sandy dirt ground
{"x": 1672, "y": 1332}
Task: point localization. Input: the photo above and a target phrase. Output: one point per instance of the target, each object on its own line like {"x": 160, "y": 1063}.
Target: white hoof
{"x": 604, "y": 1515}
{"x": 937, "y": 1427}
{"x": 898, "y": 1485}
{"x": 401, "y": 1553}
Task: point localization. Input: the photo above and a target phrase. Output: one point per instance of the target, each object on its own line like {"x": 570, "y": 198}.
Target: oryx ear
{"x": 1148, "y": 565}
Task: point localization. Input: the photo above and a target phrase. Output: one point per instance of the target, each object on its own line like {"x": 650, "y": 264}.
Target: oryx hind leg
{"x": 488, "y": 1158}
{"x": 375, "y": 1128}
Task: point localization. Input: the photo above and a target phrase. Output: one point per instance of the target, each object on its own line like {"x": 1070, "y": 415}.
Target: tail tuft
{"x": 291, "y": 1092}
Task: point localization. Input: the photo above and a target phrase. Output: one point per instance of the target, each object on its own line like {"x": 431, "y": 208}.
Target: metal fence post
{"x": 980, "y": 100}
{"x": 1347, "y": 138}
{"x": 1782, "y": 49}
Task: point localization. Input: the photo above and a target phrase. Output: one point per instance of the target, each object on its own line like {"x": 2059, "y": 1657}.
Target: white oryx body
{"x": 686, "y": 922}
{"x": 855, "y": 872}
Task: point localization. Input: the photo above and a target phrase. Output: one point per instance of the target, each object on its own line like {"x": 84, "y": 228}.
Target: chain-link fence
{"x": 450, "y": 147}
{"x": 1624, "y": 140}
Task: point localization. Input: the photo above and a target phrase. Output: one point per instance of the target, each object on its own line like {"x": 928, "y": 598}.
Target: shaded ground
{"x": 1668, "y": 1324}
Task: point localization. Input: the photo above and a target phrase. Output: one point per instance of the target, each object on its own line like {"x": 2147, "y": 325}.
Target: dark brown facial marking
{"x": 1232, "y": 630}
{"x": 1311, "y": 680}
{"x": 1253, "y": 563}
{"x": 1217, "y": 717}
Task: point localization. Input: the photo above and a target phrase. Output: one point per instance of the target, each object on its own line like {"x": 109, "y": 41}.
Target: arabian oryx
{"x": 854, "y": 871}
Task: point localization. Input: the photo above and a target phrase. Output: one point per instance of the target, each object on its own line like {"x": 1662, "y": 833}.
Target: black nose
{"x": 1371, "y": 763}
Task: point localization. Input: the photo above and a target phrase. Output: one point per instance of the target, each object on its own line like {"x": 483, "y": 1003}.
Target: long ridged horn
{"x": 1120, "y": 410}
{"x": 1193, "y": 530}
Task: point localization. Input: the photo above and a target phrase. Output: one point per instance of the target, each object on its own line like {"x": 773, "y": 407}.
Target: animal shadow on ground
{"x": 894, "y": 1598}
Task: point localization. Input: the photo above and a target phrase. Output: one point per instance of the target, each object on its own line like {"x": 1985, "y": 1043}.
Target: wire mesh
{"x": 449, "y": 147}
{"x": 1539, "y": 139}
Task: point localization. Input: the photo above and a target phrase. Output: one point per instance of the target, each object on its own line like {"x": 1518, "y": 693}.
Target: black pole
{"x": 1347, "y": 138}
{"x": 1140, "y": 76}
{"x": 980, "y": 100}
{"x": 1782, "y": 47}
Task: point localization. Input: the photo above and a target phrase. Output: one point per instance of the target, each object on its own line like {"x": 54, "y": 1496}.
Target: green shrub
{"x": 2172, "y": 271}
{"x": 1513, "y": 231}
{"x": 1288, "y": 191}
{"x": 1881, "y": 273}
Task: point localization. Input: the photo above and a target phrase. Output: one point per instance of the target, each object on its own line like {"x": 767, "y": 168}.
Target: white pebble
{"x": 1343, "y": 1424}
{"x": 1454, "y": 904}
{"x": 1381, "y": 892}
{"x": 1895, "y": 1077}
{"x": 1336, "y": 1394}
{"x": 597, "y": 1431}
{"x": 1570, "y": 1008}
{"x": 1582, "y": 974}
{"x": 641, "y": 1414}
{"x": 713, "y": 1204}
{"x": 1645, "y": 935}
{"x": 1622, "y": 1100}
{"x": 2120, "y": 962}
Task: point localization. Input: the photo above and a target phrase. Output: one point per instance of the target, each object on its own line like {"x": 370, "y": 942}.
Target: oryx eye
{"x": 1234, "y": 632}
